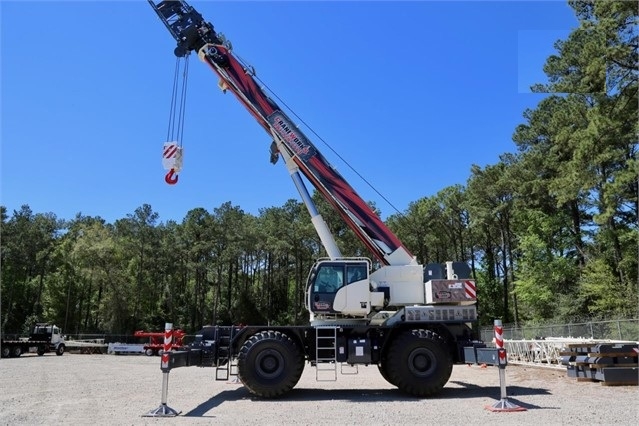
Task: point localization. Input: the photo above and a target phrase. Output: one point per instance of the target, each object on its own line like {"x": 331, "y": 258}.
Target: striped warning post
{"x": 168, "y": 341}
{"x": 503, "y": 404}
{"x": 499, "y": 342}
{"x": 499, "y": 334}
{"x": 165, "y": 365}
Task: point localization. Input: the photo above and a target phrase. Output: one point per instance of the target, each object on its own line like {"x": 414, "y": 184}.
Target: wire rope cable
{"x": 250, "y": 69}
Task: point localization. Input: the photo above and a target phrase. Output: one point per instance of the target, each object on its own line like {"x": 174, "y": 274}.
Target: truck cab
{"x": 46, "y": 333}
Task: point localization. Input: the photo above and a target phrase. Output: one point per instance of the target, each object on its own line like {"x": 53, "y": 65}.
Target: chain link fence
{"x": 619, "y": 329}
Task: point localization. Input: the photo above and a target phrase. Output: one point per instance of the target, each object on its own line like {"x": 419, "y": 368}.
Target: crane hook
{"x": 171, "y": 177}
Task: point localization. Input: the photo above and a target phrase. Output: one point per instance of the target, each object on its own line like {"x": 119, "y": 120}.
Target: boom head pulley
{"x": 186, "y": 25}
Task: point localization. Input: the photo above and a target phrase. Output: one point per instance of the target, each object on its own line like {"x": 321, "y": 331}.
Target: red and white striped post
{"x": 164, "y": 410}
{"x": 503, "y": 404}
{"x": 168, "y": 341}
{"x": 499, "y": 344}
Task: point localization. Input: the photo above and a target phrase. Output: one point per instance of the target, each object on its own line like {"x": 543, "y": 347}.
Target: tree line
{"x": 550, "y": 230}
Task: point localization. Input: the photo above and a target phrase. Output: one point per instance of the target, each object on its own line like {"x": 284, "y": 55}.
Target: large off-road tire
{"x": 270, "y": 364}
{"x": 418, "y": 363}
{"x": 6, "y": 352}
{"x": 382, "y": 370}
{"x": 16, "y": 352}
{"x": 59, "y": 351}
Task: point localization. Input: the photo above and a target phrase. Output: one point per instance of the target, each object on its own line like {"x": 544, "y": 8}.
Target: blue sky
{"x": 410, "y": 94}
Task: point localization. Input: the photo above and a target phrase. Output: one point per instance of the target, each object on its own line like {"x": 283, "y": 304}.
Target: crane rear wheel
{"x": 419, "y": 363}
{"x": 383, "y": 367}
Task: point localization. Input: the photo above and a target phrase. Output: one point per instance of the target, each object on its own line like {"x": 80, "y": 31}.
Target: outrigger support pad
{"x": 162, "y": 411}
{"x": 505, "y": 405}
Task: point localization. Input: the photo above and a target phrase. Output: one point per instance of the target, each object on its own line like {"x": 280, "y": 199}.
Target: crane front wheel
{"x": 270, "y": 364}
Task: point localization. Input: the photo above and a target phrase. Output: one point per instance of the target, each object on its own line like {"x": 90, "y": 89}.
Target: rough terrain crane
{"x": 410, "y": 320}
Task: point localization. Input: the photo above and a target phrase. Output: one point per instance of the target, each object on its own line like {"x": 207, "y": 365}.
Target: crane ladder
{"x": 226, "y": 364}
{"x": 326, "y": 353}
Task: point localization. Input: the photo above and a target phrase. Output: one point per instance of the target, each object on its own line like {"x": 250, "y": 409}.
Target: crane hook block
{"x": 172, "y": 161}
{"x": 171, "y": 177}
{"x": 172, "y": 156}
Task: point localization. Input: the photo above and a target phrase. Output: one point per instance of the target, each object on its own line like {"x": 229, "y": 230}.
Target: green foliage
{"x": 604, "y": 294}
{"x": 28, "y": 243}
{"x": 599, "y": 288}
{"x": 489, "y": 297}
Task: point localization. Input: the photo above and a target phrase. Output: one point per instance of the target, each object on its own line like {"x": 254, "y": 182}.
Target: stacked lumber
{"x": 612, "y": 364}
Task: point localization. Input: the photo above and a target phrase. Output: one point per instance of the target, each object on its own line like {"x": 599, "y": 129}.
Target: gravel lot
{"x": 119, "y": 389}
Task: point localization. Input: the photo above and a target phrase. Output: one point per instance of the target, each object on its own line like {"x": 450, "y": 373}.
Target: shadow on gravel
{"x": 227, "y": 395}
{"x": 467, "y": 390}
{"x": 355, "y": 395}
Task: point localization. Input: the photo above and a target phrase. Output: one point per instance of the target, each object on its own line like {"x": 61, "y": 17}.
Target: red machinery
{"x": 156, "y": 340}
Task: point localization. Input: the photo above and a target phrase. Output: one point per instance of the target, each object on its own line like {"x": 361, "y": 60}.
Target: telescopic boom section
{"x": 193, "y": 33}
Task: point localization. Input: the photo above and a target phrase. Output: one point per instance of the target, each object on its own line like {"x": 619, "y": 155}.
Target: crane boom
{"x": 193, "y": 34}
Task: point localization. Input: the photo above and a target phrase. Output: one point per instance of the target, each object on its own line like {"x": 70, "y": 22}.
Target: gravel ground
{"x": 119, "y": 389}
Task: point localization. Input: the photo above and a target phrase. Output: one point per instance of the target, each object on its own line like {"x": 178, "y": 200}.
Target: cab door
{"x": 325, "y": 281}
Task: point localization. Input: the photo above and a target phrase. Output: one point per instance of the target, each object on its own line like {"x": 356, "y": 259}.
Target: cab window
{"x": 355, "y": 273}
{"x": 329, "y": 279}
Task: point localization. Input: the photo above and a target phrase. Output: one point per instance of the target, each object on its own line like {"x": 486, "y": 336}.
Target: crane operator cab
{"x": 340, "y": 287}
{"x": 330, "y": 278}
